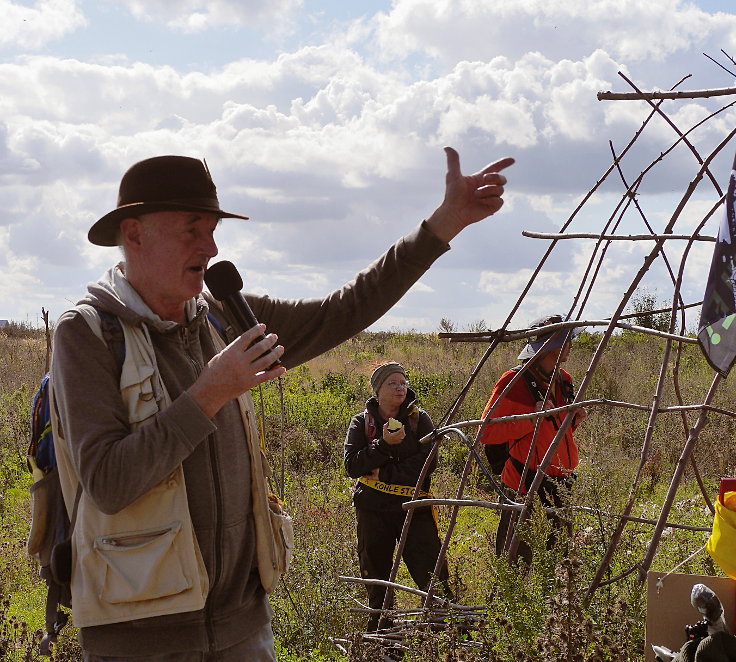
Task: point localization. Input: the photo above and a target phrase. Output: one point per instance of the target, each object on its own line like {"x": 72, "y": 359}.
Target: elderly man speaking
{"x": 155, "y": 426}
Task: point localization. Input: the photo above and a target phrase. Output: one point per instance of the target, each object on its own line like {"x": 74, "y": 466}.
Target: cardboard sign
{"x": 669, "y": 609}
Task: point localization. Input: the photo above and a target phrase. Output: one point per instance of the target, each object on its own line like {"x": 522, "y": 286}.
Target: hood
{"x": 114, "y": 294}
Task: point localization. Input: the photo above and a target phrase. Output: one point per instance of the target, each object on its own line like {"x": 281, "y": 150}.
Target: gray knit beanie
{"x": 381, "y": 373}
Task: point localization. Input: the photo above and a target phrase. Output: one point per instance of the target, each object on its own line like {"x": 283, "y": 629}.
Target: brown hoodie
{"x": 116, "y": 466}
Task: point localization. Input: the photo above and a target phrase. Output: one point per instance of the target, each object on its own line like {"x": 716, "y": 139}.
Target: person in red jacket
{"x": 543, "y": 385}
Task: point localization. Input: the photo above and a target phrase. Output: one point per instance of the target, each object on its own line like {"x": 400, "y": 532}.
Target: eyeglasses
{"x": 401, "y": 385}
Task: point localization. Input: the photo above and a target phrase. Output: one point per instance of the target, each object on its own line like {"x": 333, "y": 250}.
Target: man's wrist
{"x": 441, "y": 226}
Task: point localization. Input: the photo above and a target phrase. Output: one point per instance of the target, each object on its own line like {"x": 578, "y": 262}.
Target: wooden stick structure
{"x": 628, "y": 208}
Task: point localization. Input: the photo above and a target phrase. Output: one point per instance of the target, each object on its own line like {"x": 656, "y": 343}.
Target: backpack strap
{"x": 107, "y": 327}
{"x": 370, "y": 423}
{"x": 56, "y": 618}
{"x": 40, "y": 418}
{"x": 538, "y": 394}
{"x": 532, "y": 384}
{"x": 217, "y": 317}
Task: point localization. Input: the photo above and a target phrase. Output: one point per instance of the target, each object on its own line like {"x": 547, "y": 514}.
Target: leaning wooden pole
{"x": 675, "y": 482}
{"x": 450, "y": 528}
{"x": 676, "y": 367}
{"x": 45, "y": 317}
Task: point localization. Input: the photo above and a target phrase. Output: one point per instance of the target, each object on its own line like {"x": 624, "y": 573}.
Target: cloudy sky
{"x": 324, "y": 120}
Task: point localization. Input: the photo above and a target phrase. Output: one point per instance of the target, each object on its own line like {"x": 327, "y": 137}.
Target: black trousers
{"x": 378, "y": 533}
{"x": 549, "y": 495}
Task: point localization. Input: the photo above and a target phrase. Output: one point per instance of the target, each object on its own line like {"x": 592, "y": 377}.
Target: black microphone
{"x": 224, "y": 283}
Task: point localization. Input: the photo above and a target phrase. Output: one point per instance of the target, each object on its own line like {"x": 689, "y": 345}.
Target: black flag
{"x": 717, "y": 328}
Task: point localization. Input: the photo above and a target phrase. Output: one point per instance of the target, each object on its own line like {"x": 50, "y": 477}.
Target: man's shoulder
{"x": 71, "y": 322}
{"x": 95, "y": 318}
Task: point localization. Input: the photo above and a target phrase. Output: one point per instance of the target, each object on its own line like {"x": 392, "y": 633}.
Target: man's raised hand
{"x": 468, "y": 198}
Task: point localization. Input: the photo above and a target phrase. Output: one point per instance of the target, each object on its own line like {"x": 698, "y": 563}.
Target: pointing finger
{"x": 498, "y": 165}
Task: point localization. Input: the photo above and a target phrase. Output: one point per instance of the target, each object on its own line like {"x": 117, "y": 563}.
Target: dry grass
{"x": 530, "y": 616}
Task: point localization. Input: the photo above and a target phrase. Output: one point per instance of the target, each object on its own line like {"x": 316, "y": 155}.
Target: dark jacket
{"x": 398, "y": 464}
{"x": 115, "y": 465}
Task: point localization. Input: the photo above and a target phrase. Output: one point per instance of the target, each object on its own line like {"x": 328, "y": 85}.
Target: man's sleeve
{"x": 114, "y": 464}
{"x": 309, "y": 327}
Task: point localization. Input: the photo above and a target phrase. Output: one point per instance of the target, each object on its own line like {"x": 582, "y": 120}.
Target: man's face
{"x": 172, "y": 253}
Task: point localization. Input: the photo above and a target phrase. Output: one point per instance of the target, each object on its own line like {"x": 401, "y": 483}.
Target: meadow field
{"x": 536, "y": 615}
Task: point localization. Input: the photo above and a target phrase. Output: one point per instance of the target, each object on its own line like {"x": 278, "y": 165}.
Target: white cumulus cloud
{"x": 33, "y": 25}
{"x": 196, "y": 15}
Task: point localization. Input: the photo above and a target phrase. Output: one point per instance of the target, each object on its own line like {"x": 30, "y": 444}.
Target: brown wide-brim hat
{"x": 162, "y": 183}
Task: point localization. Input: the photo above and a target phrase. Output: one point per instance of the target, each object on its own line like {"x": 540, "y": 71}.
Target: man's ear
{"x": 130, "y": 231}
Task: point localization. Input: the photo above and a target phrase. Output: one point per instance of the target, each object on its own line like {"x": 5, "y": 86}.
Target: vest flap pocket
{"x": 282, "y": 527}
{"x": 141, "y": 565}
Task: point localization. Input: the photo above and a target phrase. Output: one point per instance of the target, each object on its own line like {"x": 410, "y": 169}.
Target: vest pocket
{"x": 283, "y": 534}
{"x": 141, "y": 565}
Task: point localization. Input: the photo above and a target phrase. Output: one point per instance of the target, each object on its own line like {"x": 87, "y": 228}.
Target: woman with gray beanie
{"x": 382, "y": 451}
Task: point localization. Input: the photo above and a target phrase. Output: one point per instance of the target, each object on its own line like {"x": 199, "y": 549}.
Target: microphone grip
{"x": 243, "y": 318}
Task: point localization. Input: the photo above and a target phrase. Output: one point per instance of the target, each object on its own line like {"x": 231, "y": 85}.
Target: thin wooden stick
{"x": 47, "y": 332}
{"x": 630, "y": 193}
{"x": 687, "y": 142}
{"x": 678, "y": 356}
{"x": 400, "y": 587}
{"x": 618, "y": 532}
{"x": 517, "y": 507}
{"x": 730, "y": 73}
{"x": 592, "y": 270}
{"x": 614, "y": 237}
{"x": 653, "y": 413}
{"x": 675, "y": 482}
{"x": 596, "y": 401}
{"x": 651, "y": 96}
{"x": 511, "y": 336}
{"x": 451, "y": 525}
